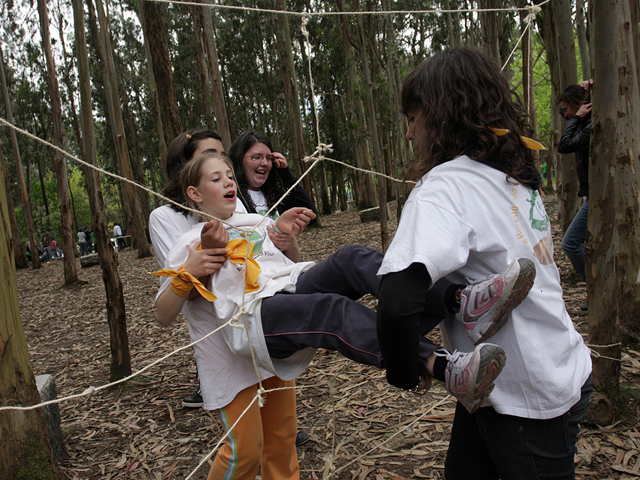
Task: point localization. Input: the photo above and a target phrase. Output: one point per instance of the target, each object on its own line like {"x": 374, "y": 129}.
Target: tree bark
{"x": 156, "y": 35}
{"x": 613, "y": 228}
{"x": 583, "y": 44}
{"x": 132, "y": 204}
{"x": 35, "y": 258}
{"x": 16, "y": 242}
{"x": 23, "y": 433}
{"x": 217, "y": 90}
{"x": 116, "y": 314}
{"x": 60, "y": 161}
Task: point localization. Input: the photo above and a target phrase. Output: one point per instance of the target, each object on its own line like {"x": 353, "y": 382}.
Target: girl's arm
{"x": 200, "y": 264}
{"x": 287, "y": 226}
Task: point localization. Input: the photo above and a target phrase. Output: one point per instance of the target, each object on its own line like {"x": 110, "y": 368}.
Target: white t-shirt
{"x": 117, "y": 231}
{"x": 234, "y": 343}
{"x": 260, "y": 202}
{"x": 166, "y": 225}
{"x": 464, "y": 221}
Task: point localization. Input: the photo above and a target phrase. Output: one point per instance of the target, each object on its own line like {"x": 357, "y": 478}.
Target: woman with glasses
{"x": 575, "y": 106}
{"x": 264, "y": 176}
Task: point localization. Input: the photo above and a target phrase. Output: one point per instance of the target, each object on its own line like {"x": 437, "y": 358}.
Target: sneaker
{"x": 194, "y": 400}
{"x": 301, "y": 438}
{"x": 485, "y": 305}
{"x": 469, "y": 376}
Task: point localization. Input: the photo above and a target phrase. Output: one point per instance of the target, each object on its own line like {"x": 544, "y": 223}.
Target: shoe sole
{"x": 519, "y": 291}
{"x": 492, "y": 360}
{"x": 192, "y": 405}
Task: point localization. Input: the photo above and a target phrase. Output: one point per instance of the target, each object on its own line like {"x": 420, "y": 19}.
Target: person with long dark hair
{"x": 475, "y": 208}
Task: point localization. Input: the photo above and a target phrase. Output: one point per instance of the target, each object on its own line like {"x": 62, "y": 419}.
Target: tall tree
{"x": 18, "y": 251}
{"x": 60, "y": 163}
{"x": 23, "y": 433}
{"x": 583, "y": 44}
{"x": 116, "y": 313}
{"x": 35, "y": 258}
{"x": 613, "y": 252}
{"x": 217, "y": 91}
{"x": 152, "y": 21}
{"x": 132, "y": 203}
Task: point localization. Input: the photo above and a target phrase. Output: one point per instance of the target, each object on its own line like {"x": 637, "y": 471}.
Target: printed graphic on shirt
{"x": 539, "y": 219}
{"x": 256, "y": 238}
{"x": 515, "y": 215}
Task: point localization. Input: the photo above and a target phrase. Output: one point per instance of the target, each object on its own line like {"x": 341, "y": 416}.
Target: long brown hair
{"x": 461, "y": 93}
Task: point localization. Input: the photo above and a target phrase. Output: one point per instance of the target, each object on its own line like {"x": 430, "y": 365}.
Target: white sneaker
{"x": 470, "y": 376}
{"x": 485, "y": 305}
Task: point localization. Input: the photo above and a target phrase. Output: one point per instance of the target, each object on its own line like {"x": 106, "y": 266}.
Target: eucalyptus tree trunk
{"x": 201, "y": 60}
{"x": 18, "y": 251}
{"x": 156, "y": 36}
{"x": 373, "y": 127}
{"x": 131, "y": 201}
{"x": 365, "y": 189}
{"x": 613, "y": 227}
{"x": 583, "y": 44}
{"x": 217, "y": 90}
{"x": 23, "y": 433}
{"x": 157, "y": 110}
{"x": 116, "y": 313}
{"x": 292, "y": 100}
{"x": 557, "y": 34}
{"x": 60, "y": 161}
{"x": 35, "y": 258}
{"x": 490, "y": 26}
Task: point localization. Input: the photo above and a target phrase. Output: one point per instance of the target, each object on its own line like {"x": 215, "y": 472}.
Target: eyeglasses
{"x": 561, "y": 111}
{"x": 260, "y": 157}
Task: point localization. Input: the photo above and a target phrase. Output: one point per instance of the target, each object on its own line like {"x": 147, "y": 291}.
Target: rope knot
{"x": 261, "y": 396}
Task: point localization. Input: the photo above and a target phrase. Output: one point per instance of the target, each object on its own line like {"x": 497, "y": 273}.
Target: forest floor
{"x": 360, "y": 427}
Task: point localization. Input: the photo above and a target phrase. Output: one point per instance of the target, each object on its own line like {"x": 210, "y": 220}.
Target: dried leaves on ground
{"x": 360, "y": 427}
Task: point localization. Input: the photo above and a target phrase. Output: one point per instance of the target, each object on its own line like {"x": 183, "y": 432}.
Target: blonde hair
{"x": 192, "y": 173}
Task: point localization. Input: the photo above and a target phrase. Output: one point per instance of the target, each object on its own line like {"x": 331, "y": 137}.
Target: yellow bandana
{"x": 530, "y": 143}
{"x": 183, "y": 282}
{"x": 237, "y": 253}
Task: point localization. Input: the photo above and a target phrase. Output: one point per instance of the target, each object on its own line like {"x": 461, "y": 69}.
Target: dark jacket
{"x": 297, "y": 198}
{"x": 575, "y": 139}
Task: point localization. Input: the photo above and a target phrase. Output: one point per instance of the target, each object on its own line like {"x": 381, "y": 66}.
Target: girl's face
{"x": 208, "y": 144}
{"x": 257, "y": 165}
{"x": 416, "y": 126}
{"x": 215, "y": 194}
{"x": 567, "y": 111}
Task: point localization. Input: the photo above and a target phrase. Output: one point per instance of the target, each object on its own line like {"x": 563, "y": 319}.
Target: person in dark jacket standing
{"x": 575, "y": 106}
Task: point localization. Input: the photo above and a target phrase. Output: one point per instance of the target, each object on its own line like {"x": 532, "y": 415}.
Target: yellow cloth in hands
{"x": 183, "y": 282}
{"x": 237, "y": 253}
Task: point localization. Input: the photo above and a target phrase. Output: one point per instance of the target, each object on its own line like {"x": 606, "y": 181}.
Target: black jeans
{"x": 488, "y": 445}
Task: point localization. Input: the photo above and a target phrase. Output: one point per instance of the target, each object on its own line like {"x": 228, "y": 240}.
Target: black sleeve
{"x": 400, "y": 305}
{"x": 575, "y": 135}
{"x": 298, "y": 196}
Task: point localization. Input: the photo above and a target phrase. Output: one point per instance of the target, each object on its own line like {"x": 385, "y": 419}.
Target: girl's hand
{"x": 214, "y": 235}
{"x": 587, "y": 84}
{"x": 281, "y": 240}
{"x": 201, "y": 263}
{"x": 295, "y": 220}
{"x": 584, "y": 109}
{"x": 279, "y": 161}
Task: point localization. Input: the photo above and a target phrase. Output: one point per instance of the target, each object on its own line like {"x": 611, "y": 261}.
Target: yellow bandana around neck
{"x": 530, "y": 143}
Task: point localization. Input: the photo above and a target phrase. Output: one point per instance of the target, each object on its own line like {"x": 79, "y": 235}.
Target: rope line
{"x": 334, "y": 13}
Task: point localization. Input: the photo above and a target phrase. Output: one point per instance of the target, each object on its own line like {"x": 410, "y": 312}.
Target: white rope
{"x": 533, "y": 11}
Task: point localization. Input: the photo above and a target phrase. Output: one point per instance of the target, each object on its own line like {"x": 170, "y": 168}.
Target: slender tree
{"x": 18, "y": 251}
{"x": 116, "y": 313}
{"x": 60, "y": 162}
{"x": 132, "y": 203}
{"x": 35, "y": 258}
